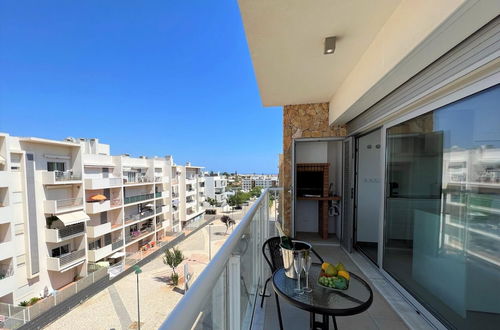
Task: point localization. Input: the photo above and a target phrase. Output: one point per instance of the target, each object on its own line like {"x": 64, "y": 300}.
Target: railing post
{"x": 234, "y": 300}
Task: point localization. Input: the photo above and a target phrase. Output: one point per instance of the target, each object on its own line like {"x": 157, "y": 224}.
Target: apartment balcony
{"x": 7, "y": 280}
{"x": 102, "y": 183}
{"x": 65, "y": 233}
{"x": 191, "y": 180}
{"x": 139, "y": 216}
{"x": 98, "y": 207}
{"x": 175, "y": 194}
{"x": 67, "y": 261}
{"x": 62, "y": 205}
{"x": 60, "y": 177}
{"x": 165, "y": 224}
{"x": 232, "y": 281}
{"x": 138, "y": 198}
{"x": 7, "y": 250}
{"x": 161, "y": 194}
{"x": 137, "y": 235}
{"x": 99, "y": 230}
{"x": 190, "y": 192}
{"x": 98, "y": 254}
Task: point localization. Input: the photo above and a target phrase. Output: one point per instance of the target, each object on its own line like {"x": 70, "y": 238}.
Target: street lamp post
{"x": 210, "y": 241}
{"x": 137, "y": 271}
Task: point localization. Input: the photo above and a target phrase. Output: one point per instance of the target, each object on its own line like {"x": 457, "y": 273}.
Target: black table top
{"x": 356, "y": 299}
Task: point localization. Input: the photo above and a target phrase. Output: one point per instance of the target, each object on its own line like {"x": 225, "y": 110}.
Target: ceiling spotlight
{"x": 330, "y": 45}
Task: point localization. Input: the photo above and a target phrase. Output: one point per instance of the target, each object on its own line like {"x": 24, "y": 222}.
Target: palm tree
{"x": 173, "y": 258}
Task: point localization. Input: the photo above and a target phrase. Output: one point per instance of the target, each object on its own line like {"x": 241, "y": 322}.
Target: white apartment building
{"x": 263, "y": 181}
{"x": 67, "y": 204}
{"x": 191, "y": 191}
{"x": 215, "y": 188}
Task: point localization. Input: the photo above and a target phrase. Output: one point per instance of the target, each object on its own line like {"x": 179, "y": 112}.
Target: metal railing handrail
{"x": 186, "y": 311}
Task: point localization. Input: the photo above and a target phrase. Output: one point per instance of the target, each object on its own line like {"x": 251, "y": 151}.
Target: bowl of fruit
{"x": 334, "y": 277}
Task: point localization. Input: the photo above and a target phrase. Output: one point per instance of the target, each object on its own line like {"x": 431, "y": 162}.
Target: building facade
{"x": 262, "y": 181}
{"x": 215, "y": 188}
{"x": 65, "y": 205}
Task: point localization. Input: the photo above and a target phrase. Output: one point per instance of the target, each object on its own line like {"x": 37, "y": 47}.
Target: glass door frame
{"x": 380, "y": 224}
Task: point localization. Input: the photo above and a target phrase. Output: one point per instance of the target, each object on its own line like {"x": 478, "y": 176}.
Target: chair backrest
{"x": 274, "y": 259}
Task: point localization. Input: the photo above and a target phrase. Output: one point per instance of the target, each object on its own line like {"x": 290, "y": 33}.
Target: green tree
{"x": 238, "y": 198}
{"x": 256, "y": 191}
{"x": 213, "y": 202}
{"x": 173, "y": 258}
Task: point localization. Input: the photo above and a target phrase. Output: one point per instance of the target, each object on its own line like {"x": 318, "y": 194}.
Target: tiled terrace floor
{"x": 380, "y": 315}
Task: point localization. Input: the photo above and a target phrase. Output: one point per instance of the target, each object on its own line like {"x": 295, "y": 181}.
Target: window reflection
{"x": 442, "y": 226}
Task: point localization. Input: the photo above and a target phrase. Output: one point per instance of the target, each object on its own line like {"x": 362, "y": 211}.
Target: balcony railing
{"x": 139, "y": 216}
{"x": 69, "y": 258}
{"x": 70, "y": 202}
{"x": 71, "y": 230}
{"x": 138, "y": 234}
{"x": 116, "y": 245}
{"x": 6, "y": 271}
{"x": 230, "y": 282}
{"x": 138, "y": 198}
{"x": 66, "y": 176}
{"x": 158, "y": 194}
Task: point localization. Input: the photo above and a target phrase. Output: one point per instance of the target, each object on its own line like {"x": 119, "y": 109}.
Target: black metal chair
{"x": 275, "y": 263}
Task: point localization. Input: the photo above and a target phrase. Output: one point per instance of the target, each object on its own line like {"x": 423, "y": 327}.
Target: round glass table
{"x": 324, "y": 301}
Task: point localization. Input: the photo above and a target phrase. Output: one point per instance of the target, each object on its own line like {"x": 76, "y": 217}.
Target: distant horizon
{"x": 150, "y": 78}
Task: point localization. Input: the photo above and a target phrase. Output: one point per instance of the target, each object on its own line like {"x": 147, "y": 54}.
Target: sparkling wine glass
{"x": 306, "y": 265}
{"x": 297, "y": 265}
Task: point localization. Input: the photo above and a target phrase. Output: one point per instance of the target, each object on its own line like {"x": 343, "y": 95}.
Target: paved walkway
{"x": 116, "y": 307}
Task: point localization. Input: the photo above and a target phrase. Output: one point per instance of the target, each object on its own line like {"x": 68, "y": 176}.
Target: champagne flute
{"x": 297, "y": 265}
{"x": 306, "y": 265}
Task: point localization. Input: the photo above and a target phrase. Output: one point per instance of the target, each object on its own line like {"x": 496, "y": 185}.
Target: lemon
{"x": 344, "y": 274}
{"x": 324, "y": 265}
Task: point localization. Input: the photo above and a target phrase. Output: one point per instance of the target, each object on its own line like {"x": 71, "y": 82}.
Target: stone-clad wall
{"x": 301, "y": 121}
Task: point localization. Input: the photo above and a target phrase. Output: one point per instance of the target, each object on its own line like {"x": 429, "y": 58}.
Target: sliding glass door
{"x": 442, "y": 210}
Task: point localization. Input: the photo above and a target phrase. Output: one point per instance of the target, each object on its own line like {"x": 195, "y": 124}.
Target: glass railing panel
{"x": 213, "y": 315}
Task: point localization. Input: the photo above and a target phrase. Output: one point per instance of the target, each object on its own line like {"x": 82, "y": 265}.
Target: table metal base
{"x": 324, "y": 324}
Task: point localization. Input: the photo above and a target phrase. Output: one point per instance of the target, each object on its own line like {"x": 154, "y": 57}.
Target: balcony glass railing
{"x": 77, "y": 228}
{"x": 138, "y": 198}
{"x": 139, "y": 216}
{"x": 117, "y": 244}
{"x": 70, "y": 202}
{"x": 66, "y": 176}
{"x": 138, "y": 234}
{"x": 70, "y": 257}
{"x": 6, "y": 271}
{"x": 158, "y": 194}
{"x": 230, "y": 282}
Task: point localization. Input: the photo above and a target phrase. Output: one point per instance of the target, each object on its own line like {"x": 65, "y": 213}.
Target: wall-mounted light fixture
{"x": 330, "y": 45}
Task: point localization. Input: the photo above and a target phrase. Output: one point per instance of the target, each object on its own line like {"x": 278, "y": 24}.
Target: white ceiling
{"x": 286, "y": 39}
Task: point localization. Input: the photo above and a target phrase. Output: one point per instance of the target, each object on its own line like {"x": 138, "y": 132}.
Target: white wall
{"x": 311, "y": 152}
{"x": 369, "y": 187}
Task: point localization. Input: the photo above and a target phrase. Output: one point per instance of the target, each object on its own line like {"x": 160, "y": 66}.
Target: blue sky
{"x": 147, "y": 77}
